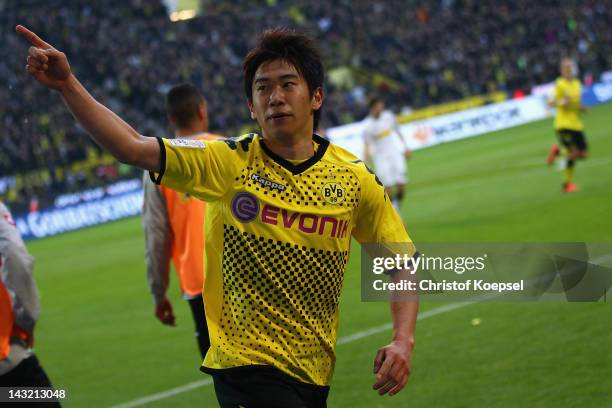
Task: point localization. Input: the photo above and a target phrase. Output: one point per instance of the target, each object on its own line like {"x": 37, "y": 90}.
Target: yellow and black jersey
{"x": 277, "y": 243}
{"x": 568, "y": 116}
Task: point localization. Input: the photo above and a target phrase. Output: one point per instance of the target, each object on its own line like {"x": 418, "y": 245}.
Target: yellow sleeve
{"x": 376, "y": 221}
{"x": 559, "y": 91}
{"x": 576, "y": 102}
{"x": 201, "y": 168}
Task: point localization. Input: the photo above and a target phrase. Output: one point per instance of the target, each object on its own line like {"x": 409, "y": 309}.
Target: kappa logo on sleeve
{"x": 194, "y": 144}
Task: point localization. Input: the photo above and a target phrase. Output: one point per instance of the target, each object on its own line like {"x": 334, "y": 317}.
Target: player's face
{"x": 281, "y": 102}
{"x": 567, "y": 69}
{"x": 377, "y": 109}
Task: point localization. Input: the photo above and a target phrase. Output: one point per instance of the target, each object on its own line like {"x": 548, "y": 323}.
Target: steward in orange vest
{"x": 174, "y": 222}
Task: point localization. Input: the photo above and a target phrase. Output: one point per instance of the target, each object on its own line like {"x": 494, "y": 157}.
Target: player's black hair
{"x": 182, "y": 104}
{"x": 295, "y": 48}
{"x": 373, "y": 101}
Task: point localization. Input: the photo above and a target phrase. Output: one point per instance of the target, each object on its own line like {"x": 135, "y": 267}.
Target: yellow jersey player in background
{"x": 569, "y": 127}
{"x": 174, "y": 222}
{"x": 281, "y": 210}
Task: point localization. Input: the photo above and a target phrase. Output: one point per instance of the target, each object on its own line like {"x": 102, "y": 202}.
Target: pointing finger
{"x": 31, "y": 37}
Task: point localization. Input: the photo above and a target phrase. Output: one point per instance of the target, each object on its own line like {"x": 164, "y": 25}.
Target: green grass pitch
{"x": 98, "y": 338}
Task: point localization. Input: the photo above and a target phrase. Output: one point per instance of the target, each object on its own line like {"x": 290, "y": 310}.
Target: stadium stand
{"x": 128, "y": 52}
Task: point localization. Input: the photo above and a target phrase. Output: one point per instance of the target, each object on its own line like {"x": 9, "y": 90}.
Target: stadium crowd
{"x": 128, "y": 53}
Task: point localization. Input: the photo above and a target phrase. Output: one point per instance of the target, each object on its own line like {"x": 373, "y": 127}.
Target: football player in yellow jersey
{"x": 281, "y": 209}
{"x": 569, "y": 127}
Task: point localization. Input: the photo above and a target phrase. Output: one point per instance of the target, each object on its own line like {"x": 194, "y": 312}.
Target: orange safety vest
{"x": 6, "y": 322}
{"x": 186, "y": 219}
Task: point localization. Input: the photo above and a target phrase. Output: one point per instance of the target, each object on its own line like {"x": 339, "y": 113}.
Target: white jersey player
{"x": 386, "y": 146}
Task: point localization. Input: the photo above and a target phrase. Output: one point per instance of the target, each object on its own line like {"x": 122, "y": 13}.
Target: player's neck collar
{"x": 303, "y": 166}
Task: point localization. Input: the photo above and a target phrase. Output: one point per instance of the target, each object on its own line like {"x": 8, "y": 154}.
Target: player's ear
{"x": 251, "y": 109}
{"x": 317, "y": 98}
{"x": 201, "y": 111}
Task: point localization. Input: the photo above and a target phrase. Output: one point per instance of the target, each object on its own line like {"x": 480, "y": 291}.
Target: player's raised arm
{"x": 50, "y": 67}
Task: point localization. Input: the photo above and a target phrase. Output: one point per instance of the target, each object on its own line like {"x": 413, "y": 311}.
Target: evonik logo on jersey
{"x": 246, "y": 208}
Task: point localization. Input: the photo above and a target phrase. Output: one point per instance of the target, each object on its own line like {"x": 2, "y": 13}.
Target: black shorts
{"x": 569, "y": 138}
{"x": 265, "y": 387}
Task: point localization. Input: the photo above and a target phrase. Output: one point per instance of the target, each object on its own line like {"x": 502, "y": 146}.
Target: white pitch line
{"x": 165, "y": 394}
{"x": 388, "y": 326}
{"x": 602, "y": 259}
{"x": 343, "y": 340}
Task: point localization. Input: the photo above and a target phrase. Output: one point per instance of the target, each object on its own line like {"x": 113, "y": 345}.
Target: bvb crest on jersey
{"x": 333, "y": 193}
